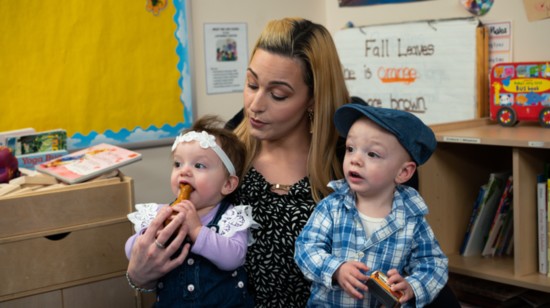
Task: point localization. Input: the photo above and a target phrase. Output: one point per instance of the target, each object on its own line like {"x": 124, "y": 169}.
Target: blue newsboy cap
{"x": 415, "y": 136}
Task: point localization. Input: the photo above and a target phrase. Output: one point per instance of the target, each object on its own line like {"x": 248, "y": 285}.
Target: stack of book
{"x": 32, "y": 148}
{"x": 490, "y": 230}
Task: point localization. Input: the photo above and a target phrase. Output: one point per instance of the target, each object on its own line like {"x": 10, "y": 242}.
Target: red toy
{"x": 520, "y": 92}
{"x": 9, "y": 167}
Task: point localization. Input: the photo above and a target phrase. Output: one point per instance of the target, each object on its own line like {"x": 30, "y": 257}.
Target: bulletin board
{"x": 429, "y": 68}
{"x": 105, "y": 71}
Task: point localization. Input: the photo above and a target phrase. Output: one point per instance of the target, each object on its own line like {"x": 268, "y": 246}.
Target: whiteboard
{"x": 427, "y": 68}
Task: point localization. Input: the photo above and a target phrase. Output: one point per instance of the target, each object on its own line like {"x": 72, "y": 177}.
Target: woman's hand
{"x": 150, "y": 258}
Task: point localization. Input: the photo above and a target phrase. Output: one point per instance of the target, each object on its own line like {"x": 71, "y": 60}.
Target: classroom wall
{"x": 531, "y": 42}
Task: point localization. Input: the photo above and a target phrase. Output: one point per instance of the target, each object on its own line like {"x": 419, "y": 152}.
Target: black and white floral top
{"x": 275, "y": 279}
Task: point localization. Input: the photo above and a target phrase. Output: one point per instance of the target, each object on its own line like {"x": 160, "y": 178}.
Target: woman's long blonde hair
{"x": 311, "y": 44}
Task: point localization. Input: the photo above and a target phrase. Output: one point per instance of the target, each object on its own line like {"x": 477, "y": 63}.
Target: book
{"x": 486, "y": 212}
{"x": 88, "y": 163}
{"x": 29, "y": 161}
{"x": 497, "y": 224}
{"x": 505, "y": 239}
{"x": 542, "y": 223}
{"x": 14, "y": 133}
{"x": 473, "y": 216}
{"x": 45, "y": 141}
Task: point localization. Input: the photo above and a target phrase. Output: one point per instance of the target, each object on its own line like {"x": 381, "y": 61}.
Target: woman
{"x": 294, "y": 84}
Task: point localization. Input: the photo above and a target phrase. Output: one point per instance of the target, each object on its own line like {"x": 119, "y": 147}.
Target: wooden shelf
{"x": 483, "y": 131}
{"x": 499, "y": 269}
{"x": 466, "y": 154}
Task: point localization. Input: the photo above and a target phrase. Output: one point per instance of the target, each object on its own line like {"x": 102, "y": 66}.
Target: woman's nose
{"x": 257, "y": 103}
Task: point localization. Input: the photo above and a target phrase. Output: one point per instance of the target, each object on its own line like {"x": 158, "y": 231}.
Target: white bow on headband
{"x": 206, "y": 141}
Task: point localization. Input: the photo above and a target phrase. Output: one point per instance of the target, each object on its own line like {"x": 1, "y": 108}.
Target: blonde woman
{"x": 294, "y": 84}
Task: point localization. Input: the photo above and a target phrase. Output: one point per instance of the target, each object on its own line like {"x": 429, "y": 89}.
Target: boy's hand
{"x": 351, "y": 278}
{"x": 398, "y": 283}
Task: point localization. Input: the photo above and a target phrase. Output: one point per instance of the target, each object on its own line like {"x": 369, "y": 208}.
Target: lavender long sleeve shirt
{"x": 227, "y": 253}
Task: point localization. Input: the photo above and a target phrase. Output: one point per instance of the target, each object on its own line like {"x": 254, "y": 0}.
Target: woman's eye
{"x": 252, "y": 86}
{"x": 278, "y": 97}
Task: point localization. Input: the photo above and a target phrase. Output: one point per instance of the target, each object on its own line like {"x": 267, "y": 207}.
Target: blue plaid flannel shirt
{"x": 334, "y": 234}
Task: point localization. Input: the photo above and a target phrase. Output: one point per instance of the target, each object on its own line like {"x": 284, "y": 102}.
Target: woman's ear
{"x": 230, "y": 185}
{"x": 406, "y": 172}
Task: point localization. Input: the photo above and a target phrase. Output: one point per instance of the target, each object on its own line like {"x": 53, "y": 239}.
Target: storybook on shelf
{"x": 498, "y": 229}
{"x": 89, "y": 163}
{"x": 473, "y": 217}
{"x": 44, "y": 141}
{"x": 32, "y": 148}
{"x": 542, "y": 222}
{"x": 14, "y": 133}
{"x": 29, "y": 161}
{"x": 475, "y": 242}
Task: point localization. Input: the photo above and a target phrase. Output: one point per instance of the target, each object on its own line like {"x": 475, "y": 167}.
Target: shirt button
{"x": 240, "y": 284}
{"x": 360, "y": 254}
{"x": 190, "y": 288}
{"x": 234, "y": 274}
{"x": 160, "y": 285}
{"x": 213, "y": 228}
{"x": 190, "y": 261}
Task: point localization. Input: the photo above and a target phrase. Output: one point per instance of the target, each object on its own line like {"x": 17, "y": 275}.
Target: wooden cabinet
{"x": 65, "y": 248}
{"x": 466, "y": 154}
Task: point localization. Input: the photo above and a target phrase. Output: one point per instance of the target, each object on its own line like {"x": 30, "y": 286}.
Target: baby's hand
{"x": 351, "y": 278}
{"x": 192, "y": 218}
{"x": 398, "y": 283}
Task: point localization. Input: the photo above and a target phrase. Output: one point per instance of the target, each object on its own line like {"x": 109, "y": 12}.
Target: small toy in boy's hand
{"x": 379, "y": 287}
{"x": 185, "y": 192}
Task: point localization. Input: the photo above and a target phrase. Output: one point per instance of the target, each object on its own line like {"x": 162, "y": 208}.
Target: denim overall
{"x": 199, "y": 283}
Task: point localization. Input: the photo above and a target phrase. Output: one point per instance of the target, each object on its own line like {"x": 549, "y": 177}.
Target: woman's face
{"x": 276, "y": 98}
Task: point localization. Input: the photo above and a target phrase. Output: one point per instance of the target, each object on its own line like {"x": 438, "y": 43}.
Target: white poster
{"x": 226, "y": 56}
{"x": 427, "y": 68}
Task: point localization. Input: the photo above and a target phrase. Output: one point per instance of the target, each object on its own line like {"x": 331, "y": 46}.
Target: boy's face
{"x": 203, "y": 170}
{"x": 374, "y": 159}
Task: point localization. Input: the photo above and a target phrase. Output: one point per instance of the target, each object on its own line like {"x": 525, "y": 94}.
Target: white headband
{"x": 206, "y": 141}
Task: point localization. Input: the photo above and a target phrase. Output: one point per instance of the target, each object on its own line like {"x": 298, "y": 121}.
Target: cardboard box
{"x": 58, "y": 239}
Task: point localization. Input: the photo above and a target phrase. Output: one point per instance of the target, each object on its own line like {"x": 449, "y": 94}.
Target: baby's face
{"x": 373, "y": 158}
{"x": 202, "y": 169}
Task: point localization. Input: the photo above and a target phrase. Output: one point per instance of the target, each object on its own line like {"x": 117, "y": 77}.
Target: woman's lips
{"x": 257, "y": 124}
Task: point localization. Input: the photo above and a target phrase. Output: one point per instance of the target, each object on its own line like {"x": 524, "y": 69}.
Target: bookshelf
{"x": 449, "y": 182}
